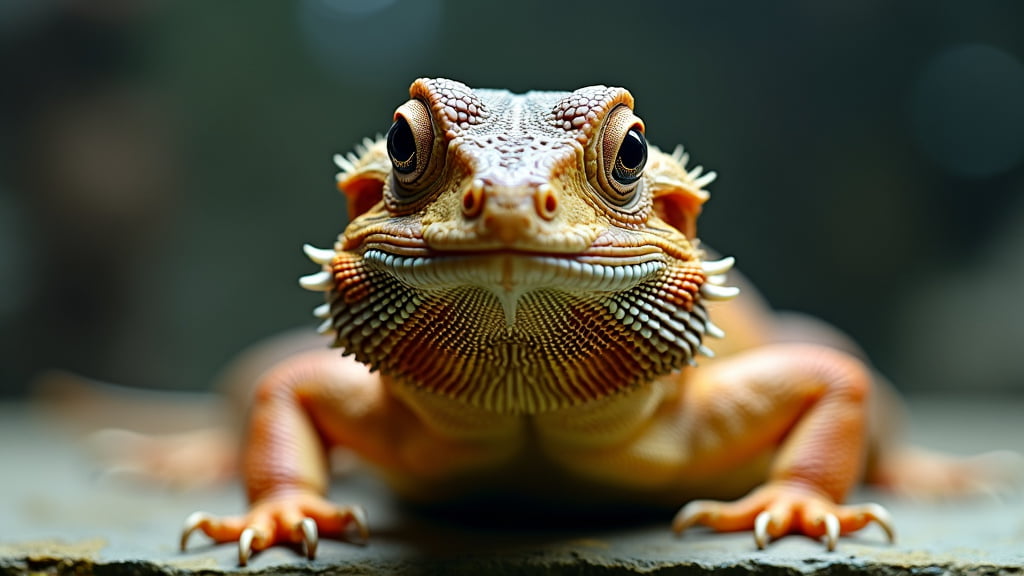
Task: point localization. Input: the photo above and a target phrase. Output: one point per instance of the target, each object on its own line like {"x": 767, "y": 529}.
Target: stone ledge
{"x": 57, "y": 516}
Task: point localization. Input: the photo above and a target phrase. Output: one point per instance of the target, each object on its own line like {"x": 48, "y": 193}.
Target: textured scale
{"x": 506, "y": 273}
{"x": 562, "y": 348}
{"x": 523, "y": 273}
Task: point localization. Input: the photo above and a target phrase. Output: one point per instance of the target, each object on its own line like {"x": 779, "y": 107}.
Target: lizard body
{"x": 521, "y": 300}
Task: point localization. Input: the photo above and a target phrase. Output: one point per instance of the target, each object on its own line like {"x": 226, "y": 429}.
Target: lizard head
{"x": 521, "y": 253}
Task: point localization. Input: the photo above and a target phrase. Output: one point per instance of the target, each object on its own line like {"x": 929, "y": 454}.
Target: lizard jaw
{"x": 510, "y": 275}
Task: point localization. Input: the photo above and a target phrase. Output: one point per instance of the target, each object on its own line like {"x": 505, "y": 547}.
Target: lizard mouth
{"x": 508, "y": 275}
{"x": 511, "y": 270}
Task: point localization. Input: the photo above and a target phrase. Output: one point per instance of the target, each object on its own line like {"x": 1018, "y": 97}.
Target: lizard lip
{"x": 515, "y": 271}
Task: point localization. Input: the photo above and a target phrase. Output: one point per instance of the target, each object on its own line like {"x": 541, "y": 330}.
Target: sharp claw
{"x": 881, "y": 516}
{"x": 831, "y": 531}
{"x": 310, "y": 537}
{"x": 689, "y": 515}
{"x": 192, "y": 524}
{"x": 245, "y": 546}
{"x": 362, "y": 526}
{"x": 761, "y": 529}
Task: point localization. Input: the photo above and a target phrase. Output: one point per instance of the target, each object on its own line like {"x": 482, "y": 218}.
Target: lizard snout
{"x": 509, "y": 214}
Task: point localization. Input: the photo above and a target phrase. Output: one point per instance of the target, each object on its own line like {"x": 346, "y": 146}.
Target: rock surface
{"x": 59, "y": 515}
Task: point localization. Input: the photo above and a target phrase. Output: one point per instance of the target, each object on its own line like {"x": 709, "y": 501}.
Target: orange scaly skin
{"x": 523, "y": 276}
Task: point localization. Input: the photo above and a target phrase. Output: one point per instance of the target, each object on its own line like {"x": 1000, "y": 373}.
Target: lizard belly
{"x": 640, "y": 471}
{"x": 646, "y": 446}
{"x": 634, "y": 447}
{"x": 656, "y": 468}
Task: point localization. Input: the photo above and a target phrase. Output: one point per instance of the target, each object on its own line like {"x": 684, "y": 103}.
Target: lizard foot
{"x": 776, "y": 509}
{"x": 295, "y": 519}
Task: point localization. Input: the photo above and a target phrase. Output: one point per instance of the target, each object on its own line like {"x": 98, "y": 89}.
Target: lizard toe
{"x": 293, "y": 519}
{"x": 310, "y": 537}
{"x": 245, "y": 546}
{"x": 775, "y": 510}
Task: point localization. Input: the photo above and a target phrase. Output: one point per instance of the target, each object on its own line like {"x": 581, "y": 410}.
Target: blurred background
{"x": 161, "y": 163}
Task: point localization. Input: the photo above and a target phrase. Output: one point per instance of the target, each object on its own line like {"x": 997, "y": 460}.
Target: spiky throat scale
{"x": 563, "y": 345}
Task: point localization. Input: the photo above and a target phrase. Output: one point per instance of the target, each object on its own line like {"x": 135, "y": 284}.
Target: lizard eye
{"x": 410, "y": 146}
{"x": 402, "y": 146}
{"x": 629, "y": 162}
{"x": 623, "y": 156}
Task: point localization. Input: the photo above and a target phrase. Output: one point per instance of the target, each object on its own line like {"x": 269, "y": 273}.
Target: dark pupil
{"x": 629, "y": 164}
{"x": 402, "y": 146}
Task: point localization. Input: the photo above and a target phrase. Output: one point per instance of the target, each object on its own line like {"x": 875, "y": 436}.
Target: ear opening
{"x": 677, "y": 193}
{"x": 679, "y": 211}
{"x": 362, "y": 194}
{"x": 363, "y": 174}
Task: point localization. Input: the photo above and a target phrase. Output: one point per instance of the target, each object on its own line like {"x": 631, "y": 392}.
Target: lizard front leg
{"x": 317, "y": 400}
{"x": 285, "y": 463}
{"x": 810, "y": 402}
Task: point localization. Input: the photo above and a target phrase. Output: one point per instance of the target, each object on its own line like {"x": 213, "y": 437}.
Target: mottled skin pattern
{"x": 531, "y": 297}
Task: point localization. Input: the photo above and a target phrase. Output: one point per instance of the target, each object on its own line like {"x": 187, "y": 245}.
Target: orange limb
{"x": 810, "y": 402}
{"x": 317, "y": 400}
{"x": 285, "y": 463}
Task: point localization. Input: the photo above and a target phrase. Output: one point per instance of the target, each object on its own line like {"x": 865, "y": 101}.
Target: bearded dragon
{"x": 522, "y": 303}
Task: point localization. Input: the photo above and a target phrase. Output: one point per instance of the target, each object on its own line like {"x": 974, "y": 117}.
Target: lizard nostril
{"x": 546, "y": 201}
{"x": 473, "y": 199}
